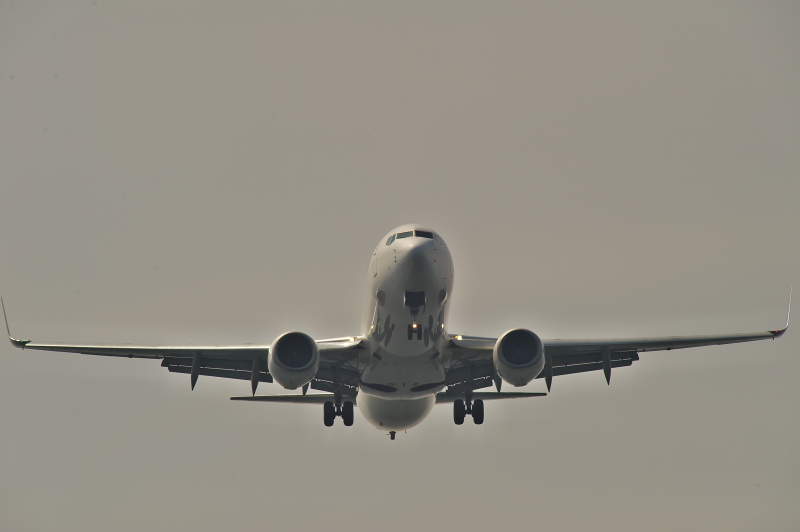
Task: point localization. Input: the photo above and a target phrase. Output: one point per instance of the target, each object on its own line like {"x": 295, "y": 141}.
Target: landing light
{"x": 414, "y": 325}
{"x": 458, "y": 337}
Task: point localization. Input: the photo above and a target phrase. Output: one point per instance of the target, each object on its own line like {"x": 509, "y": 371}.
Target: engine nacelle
{"x": 518, "y": 356}
{"x": 293, "y": 360}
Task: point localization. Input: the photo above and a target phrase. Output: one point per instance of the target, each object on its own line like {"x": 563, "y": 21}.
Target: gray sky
{"x": 188, "y": 172}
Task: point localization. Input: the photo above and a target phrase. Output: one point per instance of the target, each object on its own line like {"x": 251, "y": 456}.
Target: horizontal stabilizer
{"x": 312, "y": 398}
{"x": 487, "y": 396}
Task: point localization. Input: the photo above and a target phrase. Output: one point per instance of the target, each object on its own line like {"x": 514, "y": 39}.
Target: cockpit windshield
{"x": 417, "y": 233}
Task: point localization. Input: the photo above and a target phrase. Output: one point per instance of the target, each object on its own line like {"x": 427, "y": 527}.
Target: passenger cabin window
{"x": 424, "y": 234}
{"x": 391, "y": 239}
{"x": 405, "y": 234}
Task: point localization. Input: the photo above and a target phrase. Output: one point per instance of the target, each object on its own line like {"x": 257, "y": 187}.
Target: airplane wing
{"x": 472, "y": 356}
{"x": 338, "y": 359}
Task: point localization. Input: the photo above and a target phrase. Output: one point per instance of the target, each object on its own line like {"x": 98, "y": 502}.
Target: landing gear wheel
{"x": 329, "y": 412}
{"x": 477, "y": 411}
{"x": 459, "y": 412}
{"x": 419, "y": 332}
{"x": 410, "y": 331}
{"x": 347, "y": 413}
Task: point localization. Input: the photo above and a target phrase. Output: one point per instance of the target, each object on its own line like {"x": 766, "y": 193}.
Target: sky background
{"x": 195, "y": 172}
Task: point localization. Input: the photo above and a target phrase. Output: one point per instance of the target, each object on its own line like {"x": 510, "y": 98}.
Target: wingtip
{"x": 3, "y": 304}
{"x": 778, "y": 333}
{"x": 14, "y": 341}
{"x": 789, "y": 311}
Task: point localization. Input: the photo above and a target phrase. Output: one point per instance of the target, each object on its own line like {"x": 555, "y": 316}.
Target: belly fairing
{"x": 395, "y": 414}
{"x": 400, "y": 377}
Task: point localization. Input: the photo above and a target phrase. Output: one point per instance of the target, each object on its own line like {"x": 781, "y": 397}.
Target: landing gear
{"x": 477, "y": 411}
{"x": 463, "y": 408}
{"x": 331, "y": 412}
{"x": 414, "y": 329}
{"x": 347, "y": 413}
{"x": 459, "y": 412}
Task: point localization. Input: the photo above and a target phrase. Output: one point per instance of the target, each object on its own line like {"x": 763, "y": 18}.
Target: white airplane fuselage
{"x": 410, "y": 283}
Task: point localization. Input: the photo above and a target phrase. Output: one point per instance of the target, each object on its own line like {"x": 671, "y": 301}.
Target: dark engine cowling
{"x": 518, "y": 356}
{"x": 293, "y": 360}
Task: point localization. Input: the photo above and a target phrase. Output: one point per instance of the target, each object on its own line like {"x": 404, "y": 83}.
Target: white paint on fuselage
{"x": 403, "y": 374}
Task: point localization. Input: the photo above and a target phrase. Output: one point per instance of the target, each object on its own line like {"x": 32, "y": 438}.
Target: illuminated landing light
{"x": 413, "y": 325}
{"x": 458, "y": 337}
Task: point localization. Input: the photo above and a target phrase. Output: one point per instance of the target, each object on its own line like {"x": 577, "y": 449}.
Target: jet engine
{"x": 518, "y": 356}
{"x": 293, "y": 360}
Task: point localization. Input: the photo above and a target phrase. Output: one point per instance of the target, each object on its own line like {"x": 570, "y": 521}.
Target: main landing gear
{"x": 474, "y": 408}
{"x": 343, "y": 410}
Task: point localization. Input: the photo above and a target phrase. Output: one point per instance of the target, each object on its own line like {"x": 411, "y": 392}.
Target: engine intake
{"x": 293, "y": 360}
{"x": 518, "y": 356}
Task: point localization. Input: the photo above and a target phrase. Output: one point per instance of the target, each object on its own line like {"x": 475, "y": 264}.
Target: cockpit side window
{"x": 405, "y": 234}
{"x": 438, "y": 239}
{"x": 424, "y": 234}
{"x": 391, "y": 239}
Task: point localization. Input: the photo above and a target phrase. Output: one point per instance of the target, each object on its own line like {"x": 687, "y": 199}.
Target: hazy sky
{"x": 193, "y": 172}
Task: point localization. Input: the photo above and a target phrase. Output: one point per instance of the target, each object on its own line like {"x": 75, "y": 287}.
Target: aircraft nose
{"x": 416, "y": 265}
{"x": 417, "y": 253}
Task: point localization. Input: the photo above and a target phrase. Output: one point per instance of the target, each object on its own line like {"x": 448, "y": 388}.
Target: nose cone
{"x": 416, "y": 266}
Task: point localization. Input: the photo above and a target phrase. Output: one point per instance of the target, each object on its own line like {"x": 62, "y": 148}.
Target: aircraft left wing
{"x": 338, "y": 359}
{"x": 472, "y": 356}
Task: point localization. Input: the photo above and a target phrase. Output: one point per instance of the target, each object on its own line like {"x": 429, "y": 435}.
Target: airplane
{"x": 404, "y": 361}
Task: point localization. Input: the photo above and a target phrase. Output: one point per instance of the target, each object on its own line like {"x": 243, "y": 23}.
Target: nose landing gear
{"x": 473, "y": 408}
{"x": 414, "y": 329}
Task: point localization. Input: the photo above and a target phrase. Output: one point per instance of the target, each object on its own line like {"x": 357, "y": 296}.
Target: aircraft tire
{"x": 347, "y": 413}
{"x": 477, "y": 411}
{"x": 329, "y": 413}
{"x": 459, "y": 411}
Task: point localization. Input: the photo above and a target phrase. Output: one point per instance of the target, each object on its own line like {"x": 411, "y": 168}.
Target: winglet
{"x": 14, "y": 341}
{"x": 779, "y": 332}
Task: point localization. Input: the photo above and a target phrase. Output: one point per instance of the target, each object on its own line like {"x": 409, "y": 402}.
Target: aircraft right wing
{"x": 338, "y": 369}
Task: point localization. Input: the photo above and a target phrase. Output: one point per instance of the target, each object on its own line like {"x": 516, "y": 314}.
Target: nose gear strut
{"x": 415, "y": 328}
